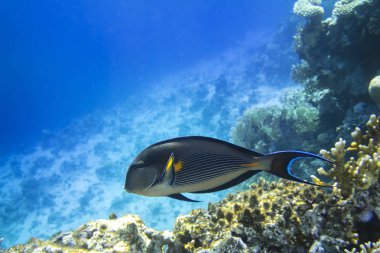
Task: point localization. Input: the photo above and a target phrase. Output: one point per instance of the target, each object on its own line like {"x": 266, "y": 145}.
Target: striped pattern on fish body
{"x": 199, "y": 165}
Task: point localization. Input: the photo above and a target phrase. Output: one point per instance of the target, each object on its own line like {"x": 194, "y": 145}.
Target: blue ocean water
{"x": 85, "y": 85}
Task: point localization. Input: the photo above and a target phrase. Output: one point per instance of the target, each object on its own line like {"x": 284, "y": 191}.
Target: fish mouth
{"x": 126, "y": 188}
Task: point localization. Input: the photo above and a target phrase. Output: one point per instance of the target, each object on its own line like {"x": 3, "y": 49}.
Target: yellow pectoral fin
{"x": 169, "y": 174}
{"x": 169, "y": 163}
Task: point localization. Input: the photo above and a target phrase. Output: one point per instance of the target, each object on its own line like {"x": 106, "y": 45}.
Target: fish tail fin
{"x": 281, "y": 162}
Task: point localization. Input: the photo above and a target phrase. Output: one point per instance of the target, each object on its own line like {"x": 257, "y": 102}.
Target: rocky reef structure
{"x": 288, "y": 217}
{"x": 270, "y": 217}
{"x": 338, "y": 73}
{"x": 262, "y": 128}
{"x": 339, "y": 56}
{"x": 309, "y": 8}
{"x": 125, "y": 234}
{"x": 279, "y": 216}
{"x": 275, "y": 217}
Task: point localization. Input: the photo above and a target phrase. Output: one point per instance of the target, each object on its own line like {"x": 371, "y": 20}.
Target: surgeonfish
{"x": 197, "y": 164}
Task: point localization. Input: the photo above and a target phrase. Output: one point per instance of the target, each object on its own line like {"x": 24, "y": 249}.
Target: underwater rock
{"x": 323, "y": 138}
{"x": 291, "y": 124}
{"x": 263, "y": 128}
{"x": 374, "y": 90}
{"x": 347, "y": 7}
{"x": 356, "y": 116}
{"x": 339, "y": 54}
{"x": 270, "y": 217}
{"x": 125, "y": 234}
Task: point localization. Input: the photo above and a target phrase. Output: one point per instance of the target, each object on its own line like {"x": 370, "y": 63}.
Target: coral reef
{"x": 275, "y": 217}
{"x": 126, "y": 234}
{"x": 308, "y": 8}
{"x": 339, "y": 56}
{"x": 348, "y": 7}
{"x": 363, "y": 166}
{"x": 369, "y": 247}
{"x": 270, "y": 217}
{"x": 262, "y": 128}
{"x": 280, "y": 216}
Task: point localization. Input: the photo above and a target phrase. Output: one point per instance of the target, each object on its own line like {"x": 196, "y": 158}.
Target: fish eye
{"x": 137, "y": 165}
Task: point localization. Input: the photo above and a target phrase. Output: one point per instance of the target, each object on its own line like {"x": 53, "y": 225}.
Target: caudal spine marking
{"x": 251, "y": 164}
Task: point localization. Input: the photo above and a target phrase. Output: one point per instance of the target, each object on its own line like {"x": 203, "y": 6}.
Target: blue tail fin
{"x": 282, "y": 160}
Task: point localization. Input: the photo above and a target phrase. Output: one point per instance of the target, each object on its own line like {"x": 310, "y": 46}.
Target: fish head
{"x": 140, "y": 177}
{"x": 144, "y": 176}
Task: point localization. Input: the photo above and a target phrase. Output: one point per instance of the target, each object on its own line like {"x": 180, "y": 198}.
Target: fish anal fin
{"x": 182, "y": 197}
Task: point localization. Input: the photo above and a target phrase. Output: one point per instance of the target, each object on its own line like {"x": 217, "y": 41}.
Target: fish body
{"x": 199, "y": 164}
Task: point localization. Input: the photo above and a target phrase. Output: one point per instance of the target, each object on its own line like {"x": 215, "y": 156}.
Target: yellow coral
{"x": 363, "y": 166}
{"x": 368, "y": 247}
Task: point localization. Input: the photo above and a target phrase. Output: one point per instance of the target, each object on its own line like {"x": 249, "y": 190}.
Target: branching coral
{"x": 363, "y": 167}
{"x": 368, "y": 247}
